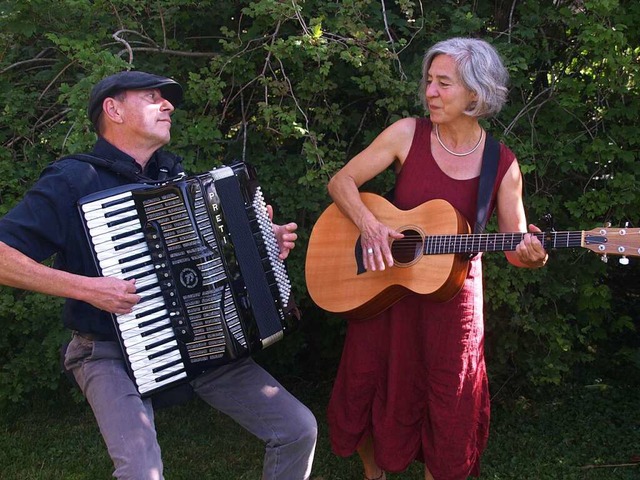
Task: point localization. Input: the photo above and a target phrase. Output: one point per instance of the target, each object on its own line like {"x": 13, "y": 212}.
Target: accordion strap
{"x": 166, "y": 164}
{"x": 129, "y": 171}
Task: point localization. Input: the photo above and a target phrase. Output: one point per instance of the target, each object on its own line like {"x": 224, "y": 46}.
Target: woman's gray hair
{"x": 480, "y": 69}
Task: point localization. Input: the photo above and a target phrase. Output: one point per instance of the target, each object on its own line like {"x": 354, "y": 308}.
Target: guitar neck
{"x": 498, "y": 242}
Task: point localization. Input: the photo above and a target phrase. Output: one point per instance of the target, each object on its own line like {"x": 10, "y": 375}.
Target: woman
{"x": 412, "y": 383}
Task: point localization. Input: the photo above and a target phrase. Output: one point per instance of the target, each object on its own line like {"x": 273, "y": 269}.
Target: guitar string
{"x": 438, "y": 241}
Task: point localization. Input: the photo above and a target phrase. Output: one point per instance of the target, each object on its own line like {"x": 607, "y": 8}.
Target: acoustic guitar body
{"x": 337, "y": 281}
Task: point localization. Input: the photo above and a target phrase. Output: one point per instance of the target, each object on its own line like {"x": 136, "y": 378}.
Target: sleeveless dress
{"x": 414, "y": 376}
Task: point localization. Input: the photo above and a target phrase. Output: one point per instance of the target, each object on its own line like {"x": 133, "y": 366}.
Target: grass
{"x": 572, "y": 432}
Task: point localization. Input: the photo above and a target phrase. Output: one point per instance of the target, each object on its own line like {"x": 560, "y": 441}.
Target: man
{"x": 131, "y": 113}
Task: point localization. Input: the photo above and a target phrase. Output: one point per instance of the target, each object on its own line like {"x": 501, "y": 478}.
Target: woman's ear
{"x": 473, "y": 101}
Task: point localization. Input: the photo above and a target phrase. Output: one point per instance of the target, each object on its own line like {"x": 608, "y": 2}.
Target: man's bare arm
{"x": 111, "y": 294}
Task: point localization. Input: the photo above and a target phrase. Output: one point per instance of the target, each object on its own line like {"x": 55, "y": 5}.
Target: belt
{"x": 94, "y": 337}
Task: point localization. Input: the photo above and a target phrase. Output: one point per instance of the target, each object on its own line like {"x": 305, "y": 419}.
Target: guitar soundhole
{"x": 408, "y": 250}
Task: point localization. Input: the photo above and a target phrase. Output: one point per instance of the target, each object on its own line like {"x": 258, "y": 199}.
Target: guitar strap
{"x": 488, "y": 172}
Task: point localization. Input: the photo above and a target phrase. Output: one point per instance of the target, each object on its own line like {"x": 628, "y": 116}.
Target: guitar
{"x": 432, "y": 259}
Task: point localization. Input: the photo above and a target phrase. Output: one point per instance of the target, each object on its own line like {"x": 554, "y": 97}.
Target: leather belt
{"x": 94, "y": 337}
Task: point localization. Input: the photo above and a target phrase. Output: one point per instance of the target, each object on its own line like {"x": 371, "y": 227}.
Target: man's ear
{"x": 111, "y": 110}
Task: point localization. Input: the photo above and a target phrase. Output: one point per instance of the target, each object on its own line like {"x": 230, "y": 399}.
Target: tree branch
{"x": 391, "y": 41}
{"x": 152, "y": 46}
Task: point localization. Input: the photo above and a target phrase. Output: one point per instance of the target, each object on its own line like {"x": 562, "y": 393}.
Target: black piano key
{"x": 129, "y": 244}
{"x": 126, "y": 234}
{"x": 139, "y": 275}
{"x": 154, "y": 330}
{"x": 161, "y": 352}
{"x": 150, "y": 297}
{"x": 169, "y": 375}
{"x": 113, "y": 213}
{"x": 151, "y": 321}
{"x": 151, "y": 311}
{"x": 178, "y": 361}
{"x": 128, "y": 258}
{"x": 137, "y": 265}
{"x": 115, "y": 223}
{"x": 146, "y": 288}
{"x": 116, "y": 202}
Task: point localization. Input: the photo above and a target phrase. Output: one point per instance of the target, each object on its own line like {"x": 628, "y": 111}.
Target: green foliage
{"x": 31, "y": 328}
{"x": 571, "y": 131}
{"x": 297, "y": 88}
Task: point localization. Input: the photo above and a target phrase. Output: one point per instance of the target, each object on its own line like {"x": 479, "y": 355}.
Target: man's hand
{"x": 284, "y": 234}
{"x": 112, "y": 294}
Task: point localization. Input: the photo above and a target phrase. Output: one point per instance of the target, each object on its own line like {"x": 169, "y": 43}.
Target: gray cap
{"x": 130, "y": 80}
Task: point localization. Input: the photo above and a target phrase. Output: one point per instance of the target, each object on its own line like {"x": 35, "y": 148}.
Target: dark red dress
{"x": 414, "y": 376}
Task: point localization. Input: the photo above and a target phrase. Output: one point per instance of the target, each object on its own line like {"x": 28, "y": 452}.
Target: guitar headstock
{"x": 613, "y": 241}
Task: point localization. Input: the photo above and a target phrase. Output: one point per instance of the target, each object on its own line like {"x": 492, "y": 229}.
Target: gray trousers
{"x": 242, "y": 390}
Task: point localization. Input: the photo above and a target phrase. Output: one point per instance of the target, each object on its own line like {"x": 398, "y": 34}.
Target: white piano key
{"x": 141, "y": 310}
{"x": 143, "y": 354}
{"x": 151, "y": 386}
{"x": 106, "y": 259}
{"x": 99, "y": 204}
{"x": 145, "y": 378}
{"x": 108, "y": 255}
{"x": 149, "y": 270}
{"x": 141, "y": 315}
{"x": 105, "y": 233}
{"x": 138, "y": 315}
{"x": 149, "y": 364}
{"x": 134, "y": 330}
{"x": 149, "y": 295}
{"x": 113, "y": 244}
{"x": 98, "y": 222}
{"x": 103, "y": 213}
{"x": 136, "y": 344}
{"x": 161, "y": 363}
{"x": 111, "y": 266}
{"x": 151, "y": 279}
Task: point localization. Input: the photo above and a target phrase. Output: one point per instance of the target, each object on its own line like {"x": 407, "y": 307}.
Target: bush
{"x": 297, "y": 88}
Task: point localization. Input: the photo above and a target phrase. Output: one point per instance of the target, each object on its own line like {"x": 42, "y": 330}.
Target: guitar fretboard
{"x": 497, "y": 242}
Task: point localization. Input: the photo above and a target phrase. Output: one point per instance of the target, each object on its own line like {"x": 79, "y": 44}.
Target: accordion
{"x": 202, "y": 250}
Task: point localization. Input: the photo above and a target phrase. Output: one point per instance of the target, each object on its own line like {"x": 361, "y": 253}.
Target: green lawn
{"x": 570, "y": 432}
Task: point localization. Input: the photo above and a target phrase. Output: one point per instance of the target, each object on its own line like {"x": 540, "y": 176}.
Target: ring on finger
{"x": 370, "y": 251}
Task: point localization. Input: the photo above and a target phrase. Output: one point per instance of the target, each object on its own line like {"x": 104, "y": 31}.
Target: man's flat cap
{"x": 130, "y": 80}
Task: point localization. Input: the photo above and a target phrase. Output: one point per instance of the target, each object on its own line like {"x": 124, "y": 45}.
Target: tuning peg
{"x": 623, "y": 260}
{"x": 604, "y": 258}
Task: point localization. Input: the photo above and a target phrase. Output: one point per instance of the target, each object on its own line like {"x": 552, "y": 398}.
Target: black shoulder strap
{"x": 168, "y": 165}
{"x": 130, "y": 172}
{"x": 488, "y": 172}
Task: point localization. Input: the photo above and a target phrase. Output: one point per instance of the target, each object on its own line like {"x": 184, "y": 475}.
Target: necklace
{"x": 455, "y": 153}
